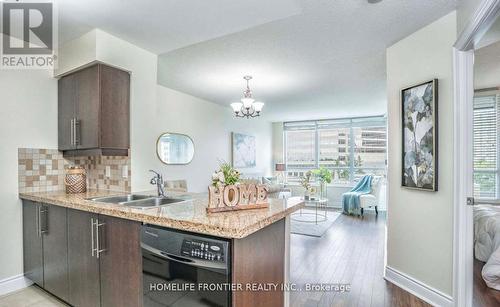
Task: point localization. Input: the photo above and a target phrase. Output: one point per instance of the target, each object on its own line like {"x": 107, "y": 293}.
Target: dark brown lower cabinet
{"x": 120, "y": 262}
{"x": 259, "y": 258}
{"x": 55, "y": 251}
{"x": 84, "y": 286}
{"x": 83, "y": 258}
{"x": 45, "y": 247}
{"x": 32, "y": 243}
{"x": 105, "y": 261}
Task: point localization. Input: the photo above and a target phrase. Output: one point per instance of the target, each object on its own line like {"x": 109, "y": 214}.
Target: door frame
{"x": 463, "y": 73}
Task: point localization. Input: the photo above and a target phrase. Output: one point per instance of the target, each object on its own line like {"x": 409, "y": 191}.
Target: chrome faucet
{"x": 158, "y": 180}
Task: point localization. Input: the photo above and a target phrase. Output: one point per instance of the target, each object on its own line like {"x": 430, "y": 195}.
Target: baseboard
{"x": 14, "y": 283}
{"x": 418, "y": 288}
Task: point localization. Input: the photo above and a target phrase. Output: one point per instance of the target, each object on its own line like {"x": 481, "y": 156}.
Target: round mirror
{"x": 174, "y": 148}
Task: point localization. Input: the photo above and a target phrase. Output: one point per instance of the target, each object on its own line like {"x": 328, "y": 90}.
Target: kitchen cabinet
{"x": 120, "y": 263}
{"x": 85, "y": 259}
{"x": 32, "y": 242}
{"x": 105, "y": 261}
{"x": 45, "y": 247}
{"x": 84, "y": 287}
{"x": 94, "y": 111}
{"x": 55, "y": 251}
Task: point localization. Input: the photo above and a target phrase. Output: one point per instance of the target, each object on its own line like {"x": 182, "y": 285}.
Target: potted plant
{"x": 225, "y": 175}
{"x": 305, "y": 182}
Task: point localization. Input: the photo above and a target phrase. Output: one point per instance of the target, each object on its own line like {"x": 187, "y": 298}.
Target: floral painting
{"x": 244, "y": 150}
{"x": 419, "y": 119}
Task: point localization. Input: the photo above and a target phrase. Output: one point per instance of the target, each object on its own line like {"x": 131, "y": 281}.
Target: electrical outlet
{"x": 125, "y": 171}
{"x": 108, "y": 171}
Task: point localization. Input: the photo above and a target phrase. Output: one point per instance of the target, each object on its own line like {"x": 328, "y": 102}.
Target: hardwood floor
{"x": 482, "y": 295}
{"x": 350, "y": 252}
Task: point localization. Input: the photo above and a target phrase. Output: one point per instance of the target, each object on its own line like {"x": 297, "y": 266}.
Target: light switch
{"x": 125, "y": 171}
{"x": 108, "y": 171}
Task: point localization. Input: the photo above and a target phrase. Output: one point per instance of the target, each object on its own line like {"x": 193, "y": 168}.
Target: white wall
{"x": 29, "y": 119}
{"x": 210, "y": 126}
{"x": 487, "y": 67}
{"x": 420, "y": 224}
{"x": 77, "y": 53}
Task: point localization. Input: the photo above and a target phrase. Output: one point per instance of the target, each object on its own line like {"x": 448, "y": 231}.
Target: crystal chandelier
{"x": 248, "y": 107}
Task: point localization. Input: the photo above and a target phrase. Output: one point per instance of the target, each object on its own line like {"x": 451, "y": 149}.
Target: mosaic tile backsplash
{"x": 43, "y": 170}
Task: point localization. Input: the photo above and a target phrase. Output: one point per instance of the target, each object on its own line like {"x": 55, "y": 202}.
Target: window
{"x": 486, "y": 166}
{"x": 351, "y": 148}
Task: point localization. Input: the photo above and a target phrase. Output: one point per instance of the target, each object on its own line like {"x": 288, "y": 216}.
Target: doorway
{"x": 476, "y": 185}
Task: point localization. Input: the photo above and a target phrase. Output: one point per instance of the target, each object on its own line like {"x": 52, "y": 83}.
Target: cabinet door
{"x": 120, "y": 262}
{"x": 84, "y": 286}
{"x": 115, "y": 108}
{"x": 87, "y": 107}
{"x": 55, "y": 251}
{"x": 32, "y": 243}
{"x": 66, "y": 111}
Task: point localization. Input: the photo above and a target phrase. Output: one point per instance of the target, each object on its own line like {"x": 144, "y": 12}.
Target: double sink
{"x": 138, "y": 201}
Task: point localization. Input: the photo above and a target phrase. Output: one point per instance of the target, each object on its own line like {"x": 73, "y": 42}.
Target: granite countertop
{"x": 189, "y": 215}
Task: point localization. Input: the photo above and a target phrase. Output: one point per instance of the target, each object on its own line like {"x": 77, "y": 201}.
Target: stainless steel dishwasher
{"x": 183, "y": 269}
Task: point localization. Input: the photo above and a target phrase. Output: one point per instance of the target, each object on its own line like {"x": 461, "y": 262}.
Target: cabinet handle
{"x": 99, "y": 250}
{"x": 37, "y": 221}
{"x": 92, "y": 235}
{"x": 45, "y": 211}
{"x": 77, "y": 131}
{"x": 72, "y": 132}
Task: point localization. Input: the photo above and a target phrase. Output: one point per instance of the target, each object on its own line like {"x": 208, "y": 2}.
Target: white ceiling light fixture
{"x": 374, "y": 1}
{"x": 248, "y": 107}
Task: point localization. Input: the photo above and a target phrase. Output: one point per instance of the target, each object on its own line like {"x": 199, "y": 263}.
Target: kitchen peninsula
{"x": 91, "y": 243}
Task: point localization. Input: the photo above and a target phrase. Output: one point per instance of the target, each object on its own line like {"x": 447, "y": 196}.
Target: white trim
{"x": 417, "y": 288}
{"x": 14, "y": 283}
{"x": 462, "y": 178}
{"x": 484, "y": 17}
{"x": 463, "y": 62}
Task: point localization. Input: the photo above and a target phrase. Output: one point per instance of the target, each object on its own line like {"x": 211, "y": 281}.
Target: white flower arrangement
{"x": 226, "y": 175}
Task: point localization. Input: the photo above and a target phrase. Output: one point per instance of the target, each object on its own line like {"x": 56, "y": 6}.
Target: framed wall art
{"x": 420, "y": 136}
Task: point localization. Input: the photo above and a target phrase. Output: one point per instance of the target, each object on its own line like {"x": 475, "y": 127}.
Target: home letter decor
{"x": 247, "y": 192}
{"x": 237, "y": 197}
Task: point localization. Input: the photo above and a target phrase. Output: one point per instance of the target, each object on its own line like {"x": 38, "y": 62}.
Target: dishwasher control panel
{"x": 201, "y": 249}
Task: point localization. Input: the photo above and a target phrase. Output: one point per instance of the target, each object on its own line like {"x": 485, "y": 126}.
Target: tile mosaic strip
{"x": 43, "y": 170}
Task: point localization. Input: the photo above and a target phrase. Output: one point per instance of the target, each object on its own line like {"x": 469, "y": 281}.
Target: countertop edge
{"x": 190, "y": 226}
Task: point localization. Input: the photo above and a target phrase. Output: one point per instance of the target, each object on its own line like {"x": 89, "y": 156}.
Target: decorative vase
{"x": 323, "y": 190}
{"x": 75, "y": 180}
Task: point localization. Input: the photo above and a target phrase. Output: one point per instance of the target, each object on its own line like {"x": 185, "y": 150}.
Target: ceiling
{"x": 309, "y": 59}
{"x": 163, "y": 25}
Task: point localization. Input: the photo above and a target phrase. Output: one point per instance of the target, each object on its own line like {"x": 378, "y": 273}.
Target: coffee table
{"x": 320, "y": 214}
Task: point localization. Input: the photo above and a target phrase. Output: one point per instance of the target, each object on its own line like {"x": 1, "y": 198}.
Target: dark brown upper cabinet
{"x": 94, "y": 111}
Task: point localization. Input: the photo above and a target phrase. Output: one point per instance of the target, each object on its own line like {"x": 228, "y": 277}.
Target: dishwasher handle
{"x": 187, "y": 261}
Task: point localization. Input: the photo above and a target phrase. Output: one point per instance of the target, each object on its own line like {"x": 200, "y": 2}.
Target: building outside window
{"x": 350, "y": 148}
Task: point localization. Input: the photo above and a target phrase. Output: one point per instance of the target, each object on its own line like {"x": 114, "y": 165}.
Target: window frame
{"x": 350, "y": 124}
{"x": 496, "y": 170}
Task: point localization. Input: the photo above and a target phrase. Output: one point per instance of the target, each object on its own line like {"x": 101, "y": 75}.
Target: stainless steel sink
{"x": 138, "y": 201}
{"x": 152, "y": 202}
{"x": 120, "y": 198}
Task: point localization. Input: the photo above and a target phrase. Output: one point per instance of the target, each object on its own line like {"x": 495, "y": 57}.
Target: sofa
{"x": 274, "y": 188}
